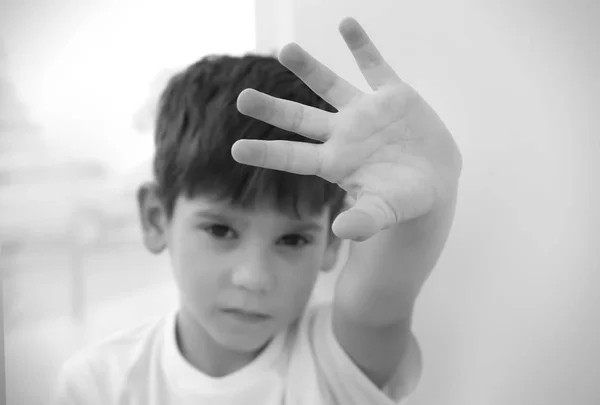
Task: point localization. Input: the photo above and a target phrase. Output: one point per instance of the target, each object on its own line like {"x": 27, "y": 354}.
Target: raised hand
{"x": 388, "y": 149}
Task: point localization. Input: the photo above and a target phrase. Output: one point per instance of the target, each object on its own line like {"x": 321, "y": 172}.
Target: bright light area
{"x": 85, "y": 68}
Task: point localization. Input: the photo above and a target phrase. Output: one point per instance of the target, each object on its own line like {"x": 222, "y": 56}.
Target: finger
{"x": 285, "y": 114}
{"x": 329, "y": 86}
{"x": 354, "y": 225}
{"x": 368, "y": 216}
{"x": 293, "y": 157}
{"x": 374, "y": 68}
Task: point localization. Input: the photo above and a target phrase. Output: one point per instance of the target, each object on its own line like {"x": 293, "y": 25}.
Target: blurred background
{"x": 512, "y": 313}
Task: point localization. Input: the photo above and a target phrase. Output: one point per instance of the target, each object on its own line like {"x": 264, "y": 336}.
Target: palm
{"x": 388, "y": 149}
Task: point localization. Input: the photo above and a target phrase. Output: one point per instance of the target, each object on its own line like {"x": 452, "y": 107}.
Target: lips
{"x": 246, "y": 315}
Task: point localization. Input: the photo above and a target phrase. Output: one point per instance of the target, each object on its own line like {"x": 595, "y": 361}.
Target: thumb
{"x": 369, "y": 215}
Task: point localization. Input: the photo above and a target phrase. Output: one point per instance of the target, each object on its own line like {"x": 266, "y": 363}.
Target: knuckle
{"x": 370, "y": 58}
{"x": 270, "y": 111}
{"x": 288, "y": 157}
{"x": 265, "y": 156}
{"x": 319, "y": 163}
{"x": 297, "y": 118}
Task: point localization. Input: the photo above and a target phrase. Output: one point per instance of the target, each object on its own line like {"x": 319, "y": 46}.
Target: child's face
{"x": 227, "y": 260}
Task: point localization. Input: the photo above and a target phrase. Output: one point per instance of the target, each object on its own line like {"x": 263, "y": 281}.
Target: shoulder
{"x": 100, "y": 369}
{"x": 120, "y": 345}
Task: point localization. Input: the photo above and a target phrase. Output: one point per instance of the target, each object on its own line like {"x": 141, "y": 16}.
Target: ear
{"x": 153, "y": 218}
{"x": 331, "y": 253}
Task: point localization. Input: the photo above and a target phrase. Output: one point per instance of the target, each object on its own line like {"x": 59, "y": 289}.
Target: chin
{"x": 245, "y": 343}
{"x": 240, "y": 337}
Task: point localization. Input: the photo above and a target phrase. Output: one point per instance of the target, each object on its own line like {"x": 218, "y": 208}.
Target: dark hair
{"x": 198, "y": 122}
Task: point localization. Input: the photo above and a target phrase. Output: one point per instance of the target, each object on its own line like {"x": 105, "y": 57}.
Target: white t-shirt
{"x": 302, "y": 365}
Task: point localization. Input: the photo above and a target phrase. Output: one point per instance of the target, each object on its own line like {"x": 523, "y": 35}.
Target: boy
{"x": 249, "y": 207}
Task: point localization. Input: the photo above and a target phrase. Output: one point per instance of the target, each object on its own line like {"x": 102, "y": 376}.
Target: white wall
{"x": 511, "y": 314}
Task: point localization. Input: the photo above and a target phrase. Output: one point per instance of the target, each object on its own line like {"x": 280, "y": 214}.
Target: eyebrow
{"x": 308, "y": 227}
{"x": 219, "y": 215}
{"x": 224, "y": 215}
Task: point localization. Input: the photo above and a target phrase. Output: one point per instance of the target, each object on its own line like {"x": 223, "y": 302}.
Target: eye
{"x": 294, "y": 240}
{"x": 219, "y": 231}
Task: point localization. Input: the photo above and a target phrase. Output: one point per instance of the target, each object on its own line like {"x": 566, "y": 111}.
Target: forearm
{"x": 384, "y": 274}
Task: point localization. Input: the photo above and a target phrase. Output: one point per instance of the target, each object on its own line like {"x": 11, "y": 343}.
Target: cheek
{"x": 301, "y": 276}
{"x": 190, "y": 260}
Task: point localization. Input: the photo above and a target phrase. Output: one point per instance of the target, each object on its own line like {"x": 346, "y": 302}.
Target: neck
{"x": 204, "y": 353}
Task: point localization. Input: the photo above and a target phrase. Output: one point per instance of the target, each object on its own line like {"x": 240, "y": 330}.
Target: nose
{"x": 253, "y": 271}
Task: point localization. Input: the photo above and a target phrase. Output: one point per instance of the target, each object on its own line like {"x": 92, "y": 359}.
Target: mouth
{"x": 246, "y": 316}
